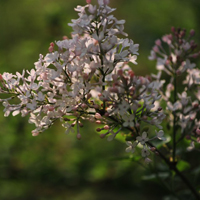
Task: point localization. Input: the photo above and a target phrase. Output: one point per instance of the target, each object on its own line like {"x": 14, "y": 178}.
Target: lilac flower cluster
{"x": 175, "y": 54}
{"x": 88, "y": 77}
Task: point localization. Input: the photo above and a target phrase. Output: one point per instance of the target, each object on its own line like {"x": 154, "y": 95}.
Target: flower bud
{"x": 192, "y": 32}
{"x": 1, "y": 77}
{"x": 153, "y": 149}
{"x": 103, "y": 136}
{"x": 198, "y": 131}
{"x": 98, "y": 116}
{"x": 173, "y": 29}
{"x": 182, "y": 33}
{"x": 35, "y": 133}
{"x": 84, "y": 106}
{"x": 131, "y": 73}
{"x": 98, "y": 122}
{"x": 158, "y": 42}
{"x": 80, "y": 124}
{"x": 106, "y": 127}
{"x": 187, "y": 137}
{"x": 78, "y": 136}
{"x": 65, "y": 37}
{"x": 98, "y": 129}
{"x": 50, "y": 49}
{"x": 120, "y": 72}
{"x": 156, "y": 49}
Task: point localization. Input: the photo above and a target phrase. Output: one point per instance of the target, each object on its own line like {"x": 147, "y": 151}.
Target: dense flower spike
{"x": 175, "y": 54}
{"x": 87, "y": 77}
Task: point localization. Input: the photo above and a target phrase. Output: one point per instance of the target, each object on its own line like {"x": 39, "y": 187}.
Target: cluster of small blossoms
{"x": 87, "y": 77}
{"x": 175, "y": 54}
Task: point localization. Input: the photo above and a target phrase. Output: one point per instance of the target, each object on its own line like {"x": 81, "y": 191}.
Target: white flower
{"x": 51, "y": 57}
{"x": 123, "y": 107}
{"x": 160, "y": 135}
{"x": 184, "y": 99}
{"x": 142, "y": 139}
{"x": 188, "y": 65}
{"x": 134, "y": 48}
{"x": 175, "y": 106}
{"x": 131, "y": 146}
{"x": 32, "y": 105}
{"x": 128, "y": 120}
{"x": 191, "y": 147}
{"x": 145, "y": 152}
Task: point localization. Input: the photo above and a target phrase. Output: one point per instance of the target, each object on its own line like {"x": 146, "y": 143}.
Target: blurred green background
{"x": 56, "y": 166}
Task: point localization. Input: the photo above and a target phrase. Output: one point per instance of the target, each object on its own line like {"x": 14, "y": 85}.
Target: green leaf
{"x": 182, "y": 165}
{"x": 145, "y": 129}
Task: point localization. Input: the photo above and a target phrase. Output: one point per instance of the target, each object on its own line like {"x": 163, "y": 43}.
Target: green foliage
{"x": 183, "y": 165}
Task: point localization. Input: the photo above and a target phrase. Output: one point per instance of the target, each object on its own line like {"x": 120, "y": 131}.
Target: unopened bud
{"x": 98, "y": 116}
{"x": 131, "y": 73}
{"x": 187, "y": 137}
{"x": 78, "y": 136}
{"x": 102, "y": 136}
{"x": 50, "y": 49}
{"x": 80, "y": 124}
{"x": 98, "y": 129}
{"x": 1, "y": 77}
{"x": 196, "y": 105}
{"x": 192, "y": 32}
{"x": 52, "y": 44}
{"x": 106, "y": 127}
{"x": 156, "y": 49}
{"x": 65, "y": 37}
{"x": 198, "y": 131}
{"x": 35, "y": 133}
{"x": 153, "y": 149}
{"x": 84, "y": 106}
{"x": 120, "y": 72}
{"x": 182, "y": 33}
{"x": 173, "y": 29}
{"x": 98, "y": 122}
{"x": 158, "y": 42}
{"x": 106, "y": 2}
